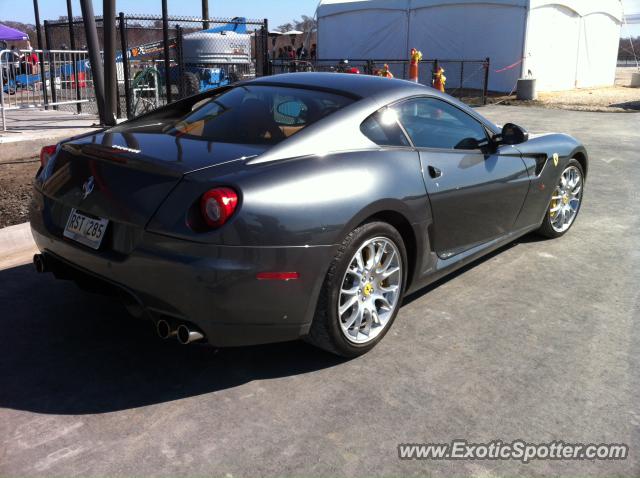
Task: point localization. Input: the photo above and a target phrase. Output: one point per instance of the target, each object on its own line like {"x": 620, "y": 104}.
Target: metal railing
{"x": 59, "y": 79}
{"x": 159, "y": 61}
{"x": 467, "y": 80}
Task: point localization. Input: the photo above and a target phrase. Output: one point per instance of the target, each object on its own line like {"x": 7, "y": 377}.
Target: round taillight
{"x": 217, "y": 206}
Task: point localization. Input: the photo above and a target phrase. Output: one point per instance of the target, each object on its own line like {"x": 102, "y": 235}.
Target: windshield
{"x": 256, "y": 114}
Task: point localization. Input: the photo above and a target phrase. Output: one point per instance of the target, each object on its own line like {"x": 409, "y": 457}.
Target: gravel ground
{"x": 612, "y": 99}
{"x": 15, "y": 191}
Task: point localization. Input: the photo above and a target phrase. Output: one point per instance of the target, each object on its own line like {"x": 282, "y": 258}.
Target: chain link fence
{"x": 466, "y": 79}
{"x": 161, "y": 60}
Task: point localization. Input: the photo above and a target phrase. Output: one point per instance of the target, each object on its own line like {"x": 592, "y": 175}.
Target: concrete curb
{"x": 17, "y": 149}
{"x": 15, "y": 239}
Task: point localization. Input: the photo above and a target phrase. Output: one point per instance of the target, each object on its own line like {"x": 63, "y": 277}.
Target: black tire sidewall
{"x": 360, "y": 236}
{"x": 546, "y": 229}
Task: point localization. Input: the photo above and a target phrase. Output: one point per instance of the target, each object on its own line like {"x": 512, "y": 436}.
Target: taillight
{"x": 45, "y": 153}
{"x": 217, "y": 206}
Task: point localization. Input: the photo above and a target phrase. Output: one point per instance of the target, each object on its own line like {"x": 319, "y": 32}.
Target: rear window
{"x": 257, "y": 114}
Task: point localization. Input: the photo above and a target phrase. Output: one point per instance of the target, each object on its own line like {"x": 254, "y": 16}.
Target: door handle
{"x": 434, "y": 172}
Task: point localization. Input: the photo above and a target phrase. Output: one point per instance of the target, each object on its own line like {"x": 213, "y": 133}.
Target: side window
{"x": 383, "y": 129}
{"x": 434, "y": 123}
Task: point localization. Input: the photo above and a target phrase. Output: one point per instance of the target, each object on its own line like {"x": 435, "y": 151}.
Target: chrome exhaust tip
{"x": 39, "y": 263}
{"x": 187, "y": 335}
{"x": 164, "y": 329}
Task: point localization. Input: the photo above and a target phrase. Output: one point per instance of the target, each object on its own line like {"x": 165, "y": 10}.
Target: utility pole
{"x": 110, "y": 78}
{"x": 91, "y": 32}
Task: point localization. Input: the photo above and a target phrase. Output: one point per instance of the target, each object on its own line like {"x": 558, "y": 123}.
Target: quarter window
{"x": 383, "y": 129}
{"x": 434, "y": 123}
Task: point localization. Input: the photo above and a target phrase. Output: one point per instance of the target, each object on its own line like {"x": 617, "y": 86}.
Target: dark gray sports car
{"x": 295, "y": 206}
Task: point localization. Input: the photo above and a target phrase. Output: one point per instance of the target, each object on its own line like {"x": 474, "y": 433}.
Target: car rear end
{"x": 95, "y": 198}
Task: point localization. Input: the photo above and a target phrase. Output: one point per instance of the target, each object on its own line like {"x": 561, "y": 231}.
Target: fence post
{"x": 51, "y": 59}
{"x": 485, "y": 90}
{"x": 461, "y": 78}
{"x": 36, "y": 12}
{"x": 72, "y": 44}
{"x": 205, "y": 14}
{"x": 167, "y": 59}
{"x": 180, "y": 59}
{"x": 434, "y": 71}
{"x": 265, "y": 48}
{"x": 2, "y": 113}
{"x": 125, "y": 63}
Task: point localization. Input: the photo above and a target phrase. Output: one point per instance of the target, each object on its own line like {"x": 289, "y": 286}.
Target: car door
{"x": 476, "y": 191}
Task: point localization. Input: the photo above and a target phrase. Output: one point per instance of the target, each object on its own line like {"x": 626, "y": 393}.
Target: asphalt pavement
{"x": 539, "y": 341}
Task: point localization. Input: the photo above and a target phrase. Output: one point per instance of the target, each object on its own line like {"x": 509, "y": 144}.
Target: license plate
{"x": 85, "y": 230}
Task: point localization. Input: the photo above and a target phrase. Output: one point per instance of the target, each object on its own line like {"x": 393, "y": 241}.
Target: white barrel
{"x": 526, "y": 89}
{"x": 635, "y": 80}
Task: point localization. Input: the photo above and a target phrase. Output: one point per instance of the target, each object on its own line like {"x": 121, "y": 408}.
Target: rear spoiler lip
{"x": 123, "y": 156}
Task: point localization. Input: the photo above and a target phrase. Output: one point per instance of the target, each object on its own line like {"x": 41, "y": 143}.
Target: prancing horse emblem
{"x": 87, "y": 187}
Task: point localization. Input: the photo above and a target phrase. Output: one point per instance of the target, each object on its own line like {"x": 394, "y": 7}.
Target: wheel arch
{"x": 581, "y": 156}
{"x": 403, "y": 226}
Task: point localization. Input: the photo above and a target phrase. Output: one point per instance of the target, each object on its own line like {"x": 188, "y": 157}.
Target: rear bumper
{"x": 213, "y": 287}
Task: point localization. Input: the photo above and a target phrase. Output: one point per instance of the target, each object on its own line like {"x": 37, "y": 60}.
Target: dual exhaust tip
{"x": 164, "y": 328}
{"x": 183, "y": 332}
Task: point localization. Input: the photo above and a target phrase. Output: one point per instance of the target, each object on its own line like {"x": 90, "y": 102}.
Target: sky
{"x": 277, "y": 12}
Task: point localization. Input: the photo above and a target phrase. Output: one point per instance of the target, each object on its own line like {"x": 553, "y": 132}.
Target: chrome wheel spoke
{"x": 352, "y": 291}
{"x": 351, "y": 320}
{"x": 389, "y": 272}
{"x": 347, "y": 305}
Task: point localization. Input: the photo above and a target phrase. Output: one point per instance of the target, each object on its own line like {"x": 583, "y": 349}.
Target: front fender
{"x": 538, "y": 154}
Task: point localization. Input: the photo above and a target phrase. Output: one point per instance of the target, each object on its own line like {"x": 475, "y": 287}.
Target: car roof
{"x": 360, "y": 86}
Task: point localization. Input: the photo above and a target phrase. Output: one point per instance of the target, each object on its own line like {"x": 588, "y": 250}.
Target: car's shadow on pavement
{"x": 64, "y": 351}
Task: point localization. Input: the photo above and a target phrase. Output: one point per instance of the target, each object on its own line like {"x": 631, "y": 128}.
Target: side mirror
{"x": 513, "y": 134}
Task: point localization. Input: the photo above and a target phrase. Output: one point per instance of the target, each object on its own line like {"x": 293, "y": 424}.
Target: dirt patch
{"x": 613, "y": 99}
{"x": 15, "y": 191}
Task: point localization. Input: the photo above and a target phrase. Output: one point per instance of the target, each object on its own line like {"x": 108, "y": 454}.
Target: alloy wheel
{"x": 370, "y": 290}
{"x": 566, "y": 199}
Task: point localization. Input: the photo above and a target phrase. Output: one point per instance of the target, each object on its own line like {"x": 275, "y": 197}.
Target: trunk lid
{"x": 125, "y": 177}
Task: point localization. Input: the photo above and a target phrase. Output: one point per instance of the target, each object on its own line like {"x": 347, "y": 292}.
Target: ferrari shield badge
{"x": 556, "y": 159}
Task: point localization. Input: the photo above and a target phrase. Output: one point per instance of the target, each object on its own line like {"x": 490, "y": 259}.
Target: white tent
{"x": 564, "y": 43}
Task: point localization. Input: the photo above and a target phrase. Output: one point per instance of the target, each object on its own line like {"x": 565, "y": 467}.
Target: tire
{"x": 549, "y": 227}
{"x": 331, "y": 332}
{"x": 190, "y": 84}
